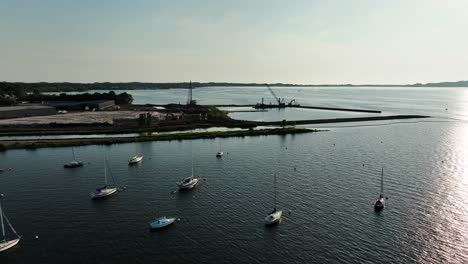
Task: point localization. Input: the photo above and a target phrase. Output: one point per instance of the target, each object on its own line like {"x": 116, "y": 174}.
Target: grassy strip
{"x": 117, "y": 130}
{"x": 47, "y": 143}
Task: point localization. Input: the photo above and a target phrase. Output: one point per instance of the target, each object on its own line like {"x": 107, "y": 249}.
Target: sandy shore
{"x": 77, "y": 118}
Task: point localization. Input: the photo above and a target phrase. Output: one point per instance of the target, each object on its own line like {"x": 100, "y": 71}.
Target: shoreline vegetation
{"x": 83, "y": 87}
{"x": 92, "y": 129}
{"x": 48, "y": 143}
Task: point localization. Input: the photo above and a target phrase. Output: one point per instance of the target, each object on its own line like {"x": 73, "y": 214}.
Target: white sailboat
{"x": 162, "y": 222}
{"x": 135, "y": 159}
{"x": 74, "y": 163}
{"x": 105, "y": 190}
{"x": 4, "y": 242}
{"x": 380, "y": 203}
{"x": 189, "y": 182}
{"x": 220, "y": 153}
{"x": 274, "y": 217}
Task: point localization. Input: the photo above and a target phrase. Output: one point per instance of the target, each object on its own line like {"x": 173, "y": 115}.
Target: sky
{"x": 303, "y": 42}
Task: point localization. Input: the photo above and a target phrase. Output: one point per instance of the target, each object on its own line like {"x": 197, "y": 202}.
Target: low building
{"x": 17, "y": 111}
{"x": 82, "y": 105}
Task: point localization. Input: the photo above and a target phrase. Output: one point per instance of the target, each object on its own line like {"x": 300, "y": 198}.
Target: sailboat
{"x": 135, "y": 159}
{"x": 189, "y": 182}
{"x": 4, "y": 242}
{"x": 104, "y": 191}
{"x": 380, "y": 203}
{"x": 74, "y": 163}
{"x": 220, "y": 153}
{"x": 274, "y": 217}
{"x": 162, "y": 222}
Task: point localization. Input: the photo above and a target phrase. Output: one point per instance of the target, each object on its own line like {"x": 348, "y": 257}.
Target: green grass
{"x": 160, "y": 137}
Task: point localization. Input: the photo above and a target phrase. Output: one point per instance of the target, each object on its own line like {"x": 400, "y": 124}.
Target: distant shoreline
{"x": 84, "y": 87}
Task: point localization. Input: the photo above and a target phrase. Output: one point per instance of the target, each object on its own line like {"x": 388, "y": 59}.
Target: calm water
{"x": 330, "y": 194}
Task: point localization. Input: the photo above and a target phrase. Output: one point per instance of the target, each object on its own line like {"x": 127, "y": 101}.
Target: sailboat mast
{"x": 192, "y": 163}
{"x": 381, "y": 183}
{"x": 73, "y": 151}
{"x": 191, "y": 150}
{"x": 274, "y": 186}
{"x": 105, "y": 172}
{"x": 1, "y": 218}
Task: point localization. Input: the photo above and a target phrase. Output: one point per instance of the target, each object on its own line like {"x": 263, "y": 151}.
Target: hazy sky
{"x": 314, "y": 41}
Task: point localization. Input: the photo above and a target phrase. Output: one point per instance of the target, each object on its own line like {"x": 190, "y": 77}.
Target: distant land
{"x": 69, "y": 87}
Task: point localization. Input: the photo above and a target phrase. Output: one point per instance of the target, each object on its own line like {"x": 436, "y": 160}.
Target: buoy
{"x": 294, "y": 168}
{"x": 36, "y": 237}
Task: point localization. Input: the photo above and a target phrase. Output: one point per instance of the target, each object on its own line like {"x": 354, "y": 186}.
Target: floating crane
{"x": 280, "y": 101}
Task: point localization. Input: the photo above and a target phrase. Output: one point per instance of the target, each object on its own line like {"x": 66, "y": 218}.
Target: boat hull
{"x": 73, "y": 165}
{"x": 103, "y": 193}
{"x": 273, "y": 218}
{"x": 135, "y": 160}
{"x": 162, "y": 223}
{"x": 8, "y": 244}
{"x": 379, "y": 205}
{"x": 188, "y": 186}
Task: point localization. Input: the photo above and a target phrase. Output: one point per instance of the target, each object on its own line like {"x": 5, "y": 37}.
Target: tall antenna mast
{"x": 189, "y": 99}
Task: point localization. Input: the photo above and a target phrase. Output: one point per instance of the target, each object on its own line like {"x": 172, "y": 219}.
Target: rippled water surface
{"x": 327, "y": 184}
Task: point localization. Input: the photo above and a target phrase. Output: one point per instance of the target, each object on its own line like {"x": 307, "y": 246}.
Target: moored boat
{"x": 135, "y": 159}
{"x": 4, "y": 242}
{"x": 380, "y": 203}
{"x": 74, "y": 163}
{"x": 274, "y": 217}
{"x": 162, "y": 222}
{"x": 188, "y": 183}
{"x": 105, "y": 190}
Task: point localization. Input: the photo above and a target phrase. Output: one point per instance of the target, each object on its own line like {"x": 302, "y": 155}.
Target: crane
{"x": 280, "y": 101}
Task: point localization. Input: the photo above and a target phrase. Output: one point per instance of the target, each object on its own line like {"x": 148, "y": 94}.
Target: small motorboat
{"x": 162, "y": 222}
{"x": 135, "y": 159}
{"x": 188, "y": 183}
{"x": 103, "y": 192}
{"x": 219, "y": 154}
{"x": 273, "y": 218}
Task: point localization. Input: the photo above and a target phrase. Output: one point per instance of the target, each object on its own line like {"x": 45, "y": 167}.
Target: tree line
{"x": 13, "y": 94}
